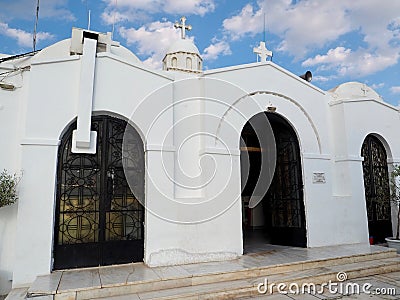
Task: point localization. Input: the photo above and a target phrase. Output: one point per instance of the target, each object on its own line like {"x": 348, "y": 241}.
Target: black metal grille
{"x": 283, "y": 205}
{"x": 376, "y": 185}
{"x": 96, "y": 213}
{"x": 285, "y": 195}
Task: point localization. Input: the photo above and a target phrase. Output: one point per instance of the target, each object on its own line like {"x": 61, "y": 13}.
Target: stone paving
{"x": 385, "y": 286}
{"x": 282, "y": 264}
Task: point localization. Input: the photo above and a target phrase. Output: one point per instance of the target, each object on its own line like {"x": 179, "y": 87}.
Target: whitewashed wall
{"x": 12, "y": 105}
{"x": 120, "y": 84}
{"x": 353, "y": 119}
{"x": 305, "y": 108}
{"x": 191, "y": 128}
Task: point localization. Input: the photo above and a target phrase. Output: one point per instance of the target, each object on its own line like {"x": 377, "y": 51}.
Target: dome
{"x": 183, "y": 45}
{"x": 355, "y": 90}
{"x": 62, "y": 50}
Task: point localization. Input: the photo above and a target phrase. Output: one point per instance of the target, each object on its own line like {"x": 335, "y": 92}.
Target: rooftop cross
{"x": 262, "y": 52}
{"x": 364, "y": 89}
{"x": 183, "y": 27}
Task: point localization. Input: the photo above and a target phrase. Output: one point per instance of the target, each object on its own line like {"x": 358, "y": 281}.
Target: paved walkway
{"x": 239, "y": 273}
{"x": 386, "y": 286}
{"x": 273, "y": 255}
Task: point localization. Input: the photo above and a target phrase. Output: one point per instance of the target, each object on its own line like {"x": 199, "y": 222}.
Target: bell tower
{"x": 183, "y": 55}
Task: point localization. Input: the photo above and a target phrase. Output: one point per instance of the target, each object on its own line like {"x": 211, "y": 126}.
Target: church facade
{"x": 122, "y": 163}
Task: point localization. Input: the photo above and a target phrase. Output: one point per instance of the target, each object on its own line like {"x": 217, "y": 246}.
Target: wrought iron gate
{"x": 377, "y": 191}
{"x": 98, "y": 220}
{"x": 283, "y": 204}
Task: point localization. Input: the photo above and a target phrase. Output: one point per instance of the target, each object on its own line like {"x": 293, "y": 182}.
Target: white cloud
{"x": 395, "y": 89}
{"x": 376, "y": 86}
{"x": 23, "y": 38}
{"x": 246, "y": 22}
{"x": 128, "y": 10}
{"x": 352, "y": 63}
{"x": 306, "y": 26}
{"x": 334, "y": 56}
{"x": 303, "y": 25}
{"x": 322, "y": 78}
{"x": 26, "y": 9}
{"x": 216, "y": 49}
{"x": 151, "y": 40}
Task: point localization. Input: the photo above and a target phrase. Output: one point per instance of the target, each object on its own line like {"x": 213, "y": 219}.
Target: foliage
{"x": 8, "y": 188}
{"x": 394, "y": 184}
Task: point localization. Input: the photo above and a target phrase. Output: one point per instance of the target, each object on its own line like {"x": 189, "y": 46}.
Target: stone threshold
{"x": 138, "y": 280}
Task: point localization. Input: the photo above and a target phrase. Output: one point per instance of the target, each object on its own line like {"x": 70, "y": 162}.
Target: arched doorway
{"x": 279, "y": 218}
{"x": 376, "y": 186}
{"x": 98, "y": 220}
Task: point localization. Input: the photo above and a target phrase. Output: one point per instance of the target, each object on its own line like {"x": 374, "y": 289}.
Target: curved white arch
{"x": 301, "y": 108}
{"x": 382, "y": 140}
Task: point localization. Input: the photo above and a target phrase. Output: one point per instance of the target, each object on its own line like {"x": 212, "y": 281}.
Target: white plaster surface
{"x": 330, "y": 127}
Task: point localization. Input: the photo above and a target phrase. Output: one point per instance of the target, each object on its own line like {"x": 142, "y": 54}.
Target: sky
{"x": 337, "y": 40}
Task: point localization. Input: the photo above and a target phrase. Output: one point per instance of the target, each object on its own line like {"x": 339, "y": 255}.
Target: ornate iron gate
{"x": 98, "y": 220}
{"x": 283, "y": 204}
{"x": 377, "y": 191}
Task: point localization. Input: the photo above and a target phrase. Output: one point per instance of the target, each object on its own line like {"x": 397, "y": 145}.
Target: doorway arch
{"x": 280, "y": 217}
{"x": 376, "y": 188}
{"x": 98, "y": 220}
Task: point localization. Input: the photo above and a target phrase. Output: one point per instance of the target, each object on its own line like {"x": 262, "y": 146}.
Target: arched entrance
{"x": 98, "y": 220}
{"x": 376, "y": 186}
{"x": 279, "y": 218}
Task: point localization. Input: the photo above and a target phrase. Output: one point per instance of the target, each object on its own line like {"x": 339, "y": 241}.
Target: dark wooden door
{"x": 98, "y": 220}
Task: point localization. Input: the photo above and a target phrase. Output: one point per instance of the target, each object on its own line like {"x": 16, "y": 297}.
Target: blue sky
{"x": 338, "y": 40}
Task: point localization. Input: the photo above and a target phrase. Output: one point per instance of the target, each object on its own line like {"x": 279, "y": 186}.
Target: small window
{"x": 188, "y": 63}
{"x": 174, "y": 62}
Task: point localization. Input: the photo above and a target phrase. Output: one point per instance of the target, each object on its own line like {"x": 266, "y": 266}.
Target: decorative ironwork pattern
{"x": 79, "y": 194}
{"x": 95, "y": 206}
{"x": 283, "y": 206}
{"x": 376, "y": 179}
{"x": 285, "y": 195}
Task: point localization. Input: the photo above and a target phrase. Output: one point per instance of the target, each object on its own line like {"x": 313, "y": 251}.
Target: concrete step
{"x": 235, "y": 289}
{"x": 215, "y": 280}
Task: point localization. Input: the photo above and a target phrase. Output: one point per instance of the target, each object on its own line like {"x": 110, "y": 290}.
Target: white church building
{"x": 121, "y": 163}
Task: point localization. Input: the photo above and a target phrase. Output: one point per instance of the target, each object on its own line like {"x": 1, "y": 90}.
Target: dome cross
{"x": 183, "y": 27}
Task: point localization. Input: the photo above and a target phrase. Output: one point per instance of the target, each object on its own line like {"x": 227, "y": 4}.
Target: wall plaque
{"x": 319, "y": 177}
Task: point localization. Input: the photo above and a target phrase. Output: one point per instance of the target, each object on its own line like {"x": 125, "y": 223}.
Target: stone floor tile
{"x": 115, "y": 275}
{"x": 17, "y": 294}
{"x": 268, "y": 297}
{"x": 303, "y": 297}
{"x": 47, "y": 284}
{"x": 171, "y": 272}
{"x": 394, "y": 276}
{"x": 79, "y": 279}
{"x": 379, "y": 286}
{"x": 213, "y": 267}
{"x": 47, "y": 297}
{"x": 122, "y": 297}
{"x": 142, "y": 273}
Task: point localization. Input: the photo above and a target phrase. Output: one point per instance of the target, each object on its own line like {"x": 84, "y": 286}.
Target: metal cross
{"x": 262, "y": 52}
{"x": 183, "y": 27}
{"x": 364, "y": 89}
